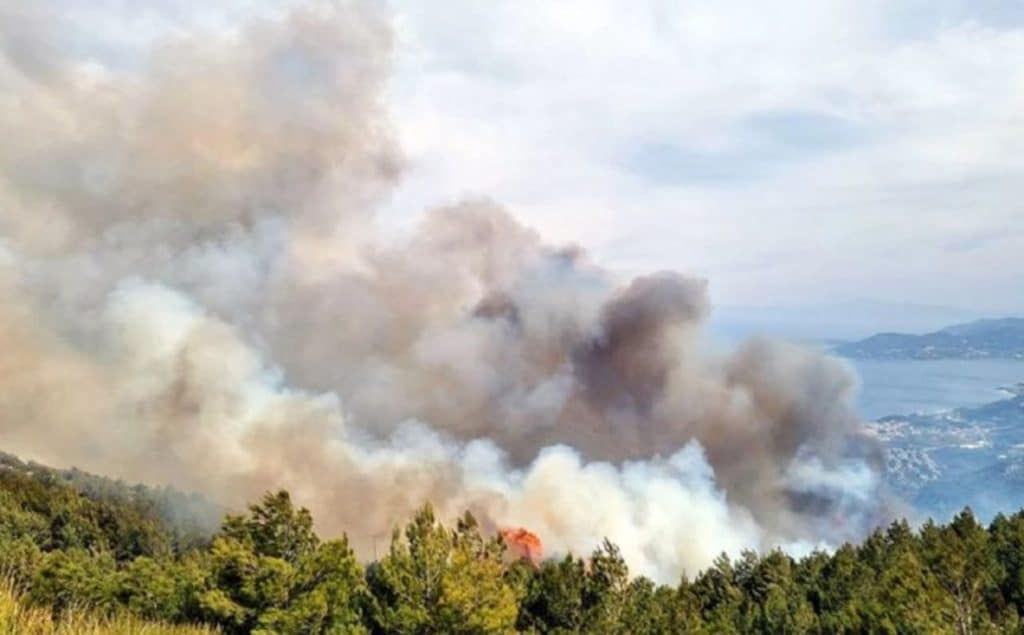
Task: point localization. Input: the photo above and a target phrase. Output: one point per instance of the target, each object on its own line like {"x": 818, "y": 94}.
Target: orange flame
{"x": 523, "y": 545}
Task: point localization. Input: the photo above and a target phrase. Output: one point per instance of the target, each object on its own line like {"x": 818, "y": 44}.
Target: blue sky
{"x": 792, "y": 152}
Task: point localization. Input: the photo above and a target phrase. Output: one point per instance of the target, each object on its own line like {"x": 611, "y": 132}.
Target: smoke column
{"x": 193, "y": 292}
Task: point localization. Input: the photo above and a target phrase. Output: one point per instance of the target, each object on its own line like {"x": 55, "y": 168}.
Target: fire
{"x": 523, "y": 544}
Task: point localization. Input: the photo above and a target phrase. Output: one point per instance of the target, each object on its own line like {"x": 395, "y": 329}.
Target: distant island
{"x": 993, "y": 338}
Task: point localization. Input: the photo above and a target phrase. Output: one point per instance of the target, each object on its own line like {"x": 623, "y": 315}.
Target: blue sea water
{"x": 908, "y": 386}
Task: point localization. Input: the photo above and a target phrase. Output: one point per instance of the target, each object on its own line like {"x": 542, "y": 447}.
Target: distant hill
{"x": 187, "y": 519}
{"x": 843, "y": 321}
{"x": 994, "y": 338}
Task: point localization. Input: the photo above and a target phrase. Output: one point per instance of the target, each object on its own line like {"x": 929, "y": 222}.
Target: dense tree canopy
{"x": 68, "y": 545}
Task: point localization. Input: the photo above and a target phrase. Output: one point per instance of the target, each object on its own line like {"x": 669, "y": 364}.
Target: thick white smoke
{"x": 192, "y": 292}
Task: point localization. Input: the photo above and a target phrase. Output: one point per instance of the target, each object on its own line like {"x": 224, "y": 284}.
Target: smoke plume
{"x": 193, "y": 292}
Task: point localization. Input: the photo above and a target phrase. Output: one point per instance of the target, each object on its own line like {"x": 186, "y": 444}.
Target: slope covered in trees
{"x": 187, "y": 518}
{"x": 65, "y": 549}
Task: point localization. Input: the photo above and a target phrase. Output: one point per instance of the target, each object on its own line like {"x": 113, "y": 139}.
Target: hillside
{"x": 78, "y": 563}
{"x": 993, "y": 338}
{"x": 940, "y": 461}
{"x": 186, "y": 519}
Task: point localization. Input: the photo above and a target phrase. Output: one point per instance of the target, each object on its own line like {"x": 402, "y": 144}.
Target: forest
{"x": 72, "y": 544}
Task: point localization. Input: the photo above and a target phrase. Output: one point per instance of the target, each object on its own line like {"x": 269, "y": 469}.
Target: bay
{"x": 890, "y": 387}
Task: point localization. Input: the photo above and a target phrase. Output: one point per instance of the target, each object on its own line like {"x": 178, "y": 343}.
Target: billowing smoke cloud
{"x": 192, "y": 292}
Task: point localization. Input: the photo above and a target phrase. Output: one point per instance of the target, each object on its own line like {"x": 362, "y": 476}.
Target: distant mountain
{"x": 980, "y": 339}
{"x": 843, "y": 321}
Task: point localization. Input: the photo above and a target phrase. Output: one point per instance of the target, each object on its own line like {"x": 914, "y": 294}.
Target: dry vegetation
{"x": 17, "y": 617}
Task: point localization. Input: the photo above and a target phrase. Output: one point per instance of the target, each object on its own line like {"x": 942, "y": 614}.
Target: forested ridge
{"x": 72, "y": 542}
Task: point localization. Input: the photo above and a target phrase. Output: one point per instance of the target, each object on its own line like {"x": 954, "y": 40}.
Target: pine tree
{"x": 961, "y": 559}
{"x": 475, "y": 595}
{"x": 407, "y": 584}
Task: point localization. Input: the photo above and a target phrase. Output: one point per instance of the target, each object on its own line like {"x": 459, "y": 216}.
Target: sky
{"x": 794, "y": 152}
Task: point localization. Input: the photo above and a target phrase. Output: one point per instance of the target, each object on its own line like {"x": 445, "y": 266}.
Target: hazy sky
{"x": 790, "y": 151}
{"x": 794, "y": 151}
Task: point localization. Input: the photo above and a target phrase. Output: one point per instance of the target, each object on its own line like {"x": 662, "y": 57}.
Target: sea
{"x": 890, "y": 387}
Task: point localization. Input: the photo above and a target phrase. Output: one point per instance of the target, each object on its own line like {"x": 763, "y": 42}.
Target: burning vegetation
{"x": 523, "y": 544}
